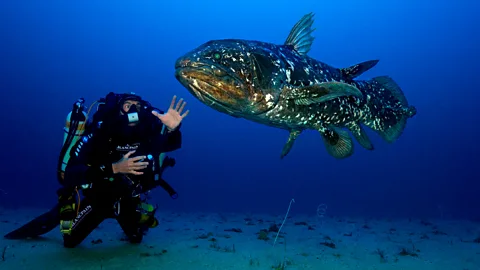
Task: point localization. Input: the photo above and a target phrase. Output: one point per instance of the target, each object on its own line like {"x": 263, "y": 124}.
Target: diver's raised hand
{"x": 129, "y": 165}
{"x": 173, "y": 117}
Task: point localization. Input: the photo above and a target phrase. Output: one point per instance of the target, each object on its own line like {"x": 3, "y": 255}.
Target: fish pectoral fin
{"x": 291, "y": 139}
{"x": 322, "y": 92}
{"x": 300, "y": 37}
{"x": 338, "y": 142}
{"x": 360, "y": 135}
{"x": 358, "y": 69}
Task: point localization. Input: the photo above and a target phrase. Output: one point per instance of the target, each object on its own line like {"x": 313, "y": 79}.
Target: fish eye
{"x": 216, "y": 56}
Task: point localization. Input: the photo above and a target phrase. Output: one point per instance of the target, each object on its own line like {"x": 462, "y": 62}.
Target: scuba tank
{"x": 73, "y": 131}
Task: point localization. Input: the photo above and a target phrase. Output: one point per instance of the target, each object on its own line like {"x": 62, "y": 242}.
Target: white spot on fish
{"x": 291, "y": 64}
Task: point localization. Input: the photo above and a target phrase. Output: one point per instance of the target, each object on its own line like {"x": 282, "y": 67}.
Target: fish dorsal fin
{"x": 300, "y": 37}
{"x": 322, "y": 92}
{"x": 356, "y": 70}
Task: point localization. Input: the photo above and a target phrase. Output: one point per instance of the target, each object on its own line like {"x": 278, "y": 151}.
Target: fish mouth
{"x": 211, "y": 84}
{"x": 204, "y": 71}
{"x": 194, "y": 84}
{"x": 197, "y": 88}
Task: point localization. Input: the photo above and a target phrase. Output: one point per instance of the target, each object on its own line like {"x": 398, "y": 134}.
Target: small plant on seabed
{"x": 253, "y": 262}
{"x": 279, "y": 266}
{"x": 409, "y": 252}
{"x": 285, "y": 219}
{"x": 282, "y": 265}
{"x": 214, "y": 245}
{"x": 381, "y": 254}
{"x": 3, "y": 253}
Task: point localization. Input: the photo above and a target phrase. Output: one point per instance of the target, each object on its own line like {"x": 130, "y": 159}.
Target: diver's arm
{"x": 173, "y": 139}
{"x": 84, "y": 166}
{"x": 169, "y": 140}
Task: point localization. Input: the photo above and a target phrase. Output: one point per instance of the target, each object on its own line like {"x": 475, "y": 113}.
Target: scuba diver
{"x": 114, "y": 160}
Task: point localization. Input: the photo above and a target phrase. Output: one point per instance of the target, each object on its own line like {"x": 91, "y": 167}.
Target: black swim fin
{"x": 38, "y": 226}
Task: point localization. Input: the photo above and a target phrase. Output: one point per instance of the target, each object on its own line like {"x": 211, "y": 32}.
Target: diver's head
{"x": 133, "y": 109}
{"x": 129, "y": 110}
{"x": 134, "y": 116}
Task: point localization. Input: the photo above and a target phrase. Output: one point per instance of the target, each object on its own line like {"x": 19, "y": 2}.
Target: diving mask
{"x": 132, "y": 115}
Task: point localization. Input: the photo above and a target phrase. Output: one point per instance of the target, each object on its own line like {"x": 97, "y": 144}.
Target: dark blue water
{"x": 53, "y": 52}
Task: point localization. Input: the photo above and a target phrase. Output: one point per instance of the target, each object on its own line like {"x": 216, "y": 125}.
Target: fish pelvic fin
{"x": 360, "y": 135}
{"x": 391, "y": 121}
{"x": 291, "y": 139}
{"x": 321, "y": 92}
{"x": 338, "y": 142}
{"x": 354, "y": 71}
{"x": 300, "y": 37}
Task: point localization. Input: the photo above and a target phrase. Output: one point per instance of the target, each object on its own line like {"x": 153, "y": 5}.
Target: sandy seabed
{"x": 240, "y": 241}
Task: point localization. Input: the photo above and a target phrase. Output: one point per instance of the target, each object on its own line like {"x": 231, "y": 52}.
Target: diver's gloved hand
{"x": 173, "y": 117}
{"x": 129, "y": 165}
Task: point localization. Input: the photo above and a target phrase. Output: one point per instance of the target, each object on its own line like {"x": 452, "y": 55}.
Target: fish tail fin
{"x": 389, "y": 119}
{"x": 338, "y": 142}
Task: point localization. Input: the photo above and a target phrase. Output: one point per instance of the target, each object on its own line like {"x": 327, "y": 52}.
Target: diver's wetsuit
{"x": 109, "y": 195}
